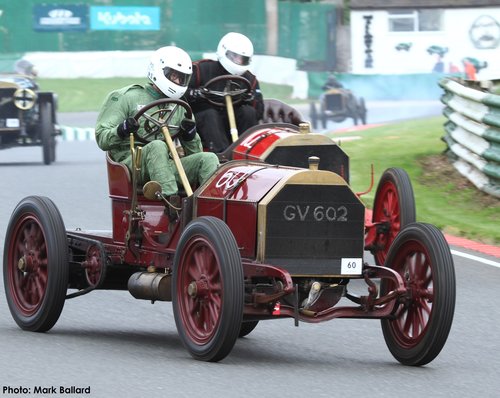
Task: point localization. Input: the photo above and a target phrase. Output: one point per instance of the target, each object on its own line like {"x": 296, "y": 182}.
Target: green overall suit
{"x": 156, "y": 163}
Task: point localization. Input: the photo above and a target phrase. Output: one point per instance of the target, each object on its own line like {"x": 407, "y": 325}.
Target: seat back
{"x": 119, "y": 180}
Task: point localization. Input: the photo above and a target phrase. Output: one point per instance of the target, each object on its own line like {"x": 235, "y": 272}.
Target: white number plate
{"x": 12, "y": 123}
{"x": 351, "y": 266}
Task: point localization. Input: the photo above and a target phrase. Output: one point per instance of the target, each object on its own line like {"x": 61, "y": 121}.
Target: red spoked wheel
{"x": 35, "y": 265}
{"x": 417, "y": 332}
{"x": 94, "y": 264}
{"x": 393, "y": 208}
{"x": 208, "y": 289}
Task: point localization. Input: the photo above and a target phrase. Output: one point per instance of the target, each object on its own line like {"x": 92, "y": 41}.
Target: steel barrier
{"x": 472, "y": 131}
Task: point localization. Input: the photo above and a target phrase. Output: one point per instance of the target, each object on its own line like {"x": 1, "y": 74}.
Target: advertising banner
{"x": 124, "y": 18}
{"x": 59, "y": 17}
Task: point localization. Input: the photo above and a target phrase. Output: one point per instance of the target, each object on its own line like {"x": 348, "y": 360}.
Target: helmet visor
{"x": 176, "y": 77}
{"x": 238, "y": 59}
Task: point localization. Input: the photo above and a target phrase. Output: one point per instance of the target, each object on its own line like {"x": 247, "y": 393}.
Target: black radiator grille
{"x": 7, "y": 107}
{"x": 310, "y": 228}
{"x": 333, "y": 102}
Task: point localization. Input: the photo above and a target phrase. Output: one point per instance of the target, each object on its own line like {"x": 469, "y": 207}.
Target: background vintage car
{"x": 337, "y": 103}
{"x": 27, "y": 116}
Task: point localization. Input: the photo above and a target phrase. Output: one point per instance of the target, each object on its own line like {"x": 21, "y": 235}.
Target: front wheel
{"x": 208, "y": 289}
{"x": 419, "y": 328}
{"x": 35, "y": 264}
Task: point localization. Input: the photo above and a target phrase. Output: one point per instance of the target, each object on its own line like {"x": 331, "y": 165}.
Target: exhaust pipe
{"x": 152, "y": 286}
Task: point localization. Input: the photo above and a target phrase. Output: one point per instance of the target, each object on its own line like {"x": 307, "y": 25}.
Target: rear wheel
{"x": 208, "y": 289}
{"x": 422, "y": 322}
{"x": 35, "y": 264}
{"x": 352, "y": 108}
{"x": 323, "y": 116}
{"x": 362, "y": 110}
{"x": 314, "y": 115}
{"x": 47, "y": 132}
{"x": 393, "y": 208}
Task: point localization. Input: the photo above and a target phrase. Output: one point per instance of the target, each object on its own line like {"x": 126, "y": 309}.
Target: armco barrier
{"x": 473, "y": 131}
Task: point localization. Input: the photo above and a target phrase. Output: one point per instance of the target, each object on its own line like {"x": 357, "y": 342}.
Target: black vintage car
{"x": 27, "y": 116}
{"x": 338, "y": 104}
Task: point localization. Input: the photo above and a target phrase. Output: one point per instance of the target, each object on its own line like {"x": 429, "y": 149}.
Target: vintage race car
{"x": 27, "y": 115}
{"x": 338, "y": 104}
{"x": 257, "y": 241}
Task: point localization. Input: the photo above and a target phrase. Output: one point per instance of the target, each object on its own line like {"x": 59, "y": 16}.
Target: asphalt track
{"x": 129, "y": 348}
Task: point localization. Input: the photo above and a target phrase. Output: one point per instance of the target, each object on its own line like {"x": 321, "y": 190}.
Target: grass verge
{"x": 443, "y": 196}
{"x": 87, "y": 95}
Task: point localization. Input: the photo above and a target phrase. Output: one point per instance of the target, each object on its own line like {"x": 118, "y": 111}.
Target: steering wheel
{"x": 159, "y": 118}
{"x": 234, "y": 86}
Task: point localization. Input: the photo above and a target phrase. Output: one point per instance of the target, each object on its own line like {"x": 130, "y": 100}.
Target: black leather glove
{"x": 248, "y": 97}
{"x": 194, "y": 94}
{"x": 187, "y": 129}
{"x": 128, "y": 126}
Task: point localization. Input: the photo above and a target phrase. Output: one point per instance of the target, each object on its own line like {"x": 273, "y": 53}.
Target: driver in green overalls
{"x": 169, "y": 73}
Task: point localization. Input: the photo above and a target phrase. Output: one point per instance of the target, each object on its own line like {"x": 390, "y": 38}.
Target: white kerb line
{"x": 476, "y": 258}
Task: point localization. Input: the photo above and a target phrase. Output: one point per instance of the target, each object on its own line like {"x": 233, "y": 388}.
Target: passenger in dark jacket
{"x": 234, "y": 54}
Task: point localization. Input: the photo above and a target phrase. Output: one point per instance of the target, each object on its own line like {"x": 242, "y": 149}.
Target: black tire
{"x": 322, "y": 115}
{"x": 362, "y": 110}
{"x": 352, "y": 109}
{"x": 421, "y": 255}
{"x": 47, "y": 131}
{"x": 247, "y": 328}
{"x": 394, "y": 204}
{"x": 36, "y": 241}
{"x": 314, "y": 115}
{"x": 355, "y": 120}
{"x": 208, "y": 289}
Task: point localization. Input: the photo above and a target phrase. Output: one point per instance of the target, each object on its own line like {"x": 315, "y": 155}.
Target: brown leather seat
{"x": 120, "y": 183}
{"x": 279, "y": 112}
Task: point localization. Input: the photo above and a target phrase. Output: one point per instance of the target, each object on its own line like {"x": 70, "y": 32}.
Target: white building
{"x": 422, "y": 36}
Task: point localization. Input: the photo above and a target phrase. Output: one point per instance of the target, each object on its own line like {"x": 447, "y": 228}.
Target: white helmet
{"x": 170, "y": 69}
{"x": 235, "y": 52}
